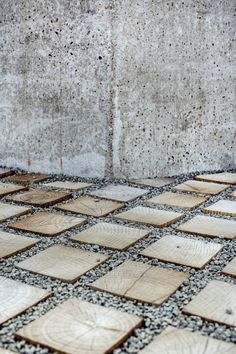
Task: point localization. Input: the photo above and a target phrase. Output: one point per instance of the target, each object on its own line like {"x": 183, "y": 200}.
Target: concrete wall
{"x": 117, "y": 88}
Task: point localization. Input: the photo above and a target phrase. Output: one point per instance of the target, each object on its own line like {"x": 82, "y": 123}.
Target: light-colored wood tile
{"x": 39, "y": 198}
{"x": 149, "y": 216}
{"x": 232, "y": 195}
{"x": 180, "y": 250}
{"x": 91, "y": 206}
{"x": 201, "y": 187}
{"x": 79, "y": 327}
{"x": 8, "y": 211}
{"x": 64, "y": 263}
{"x": 209, "y": 226}
{"x": 230, "y": 268}
{"x": 8, "y": 188}
{"x": 110, "y": 235}
{"x": 223, "y": 177}
{"x": 10, "y": 244}
{"x": 27, "y": 179}
{"x": 16, "y": 297}
{"x": 72, "y": 186}
{"x": 216, "y": 302}
{"x": 4, "y": 172}
{"x": 184, "y": 201}
{"x": 142, "y": 282}
{"x": 48, "y": 224}
{"x": 154, "y": 182}
{"x": 181, "y": 341}
{"x": 222, "y": 207}
{"x": 119, "y": 193}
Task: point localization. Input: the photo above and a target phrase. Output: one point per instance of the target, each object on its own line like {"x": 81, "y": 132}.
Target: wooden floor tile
{"x": 110, "y": 235}
{"x": 184, "y": 201}
{"x": 8, "y": 188}
{"x": 64, "y": 263}
{"x": 39, "y": 198}
{"x": 142, "y": 282}
{"x": 222, "y": 207}
{"x": 16, "y": 297}
{"x": 48, "y": 224}
{"x": 79, "y": 327}
{"x": 180, "y": 250}
{"x": 209, "y": 226}
{"x": 182, "y": 341}
{"x": 223, "y": 177}
{"x": 154, "y": 182}
{"x": 10, "y": 244}
{"x": 8, "y": 211}
{"x": 216, "y": 302}
{"x": 27, "y": 178}
{"x": 149, "y": 216}
{"x": 4, "y": 172}
{"x": 230, "y": 268}
{"x": 232, "y": 195}
{"x": 72, "y": 186}
{"x": 201, "y": 187}
{"x": 119, "y": 193}
{"x": 91, "y": 206}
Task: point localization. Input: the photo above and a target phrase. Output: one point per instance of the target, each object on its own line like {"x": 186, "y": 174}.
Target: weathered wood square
{"x": 119, "y": 193}
{"x": 201, "y": 187}
{"x": 180, "y": 250}
{"x": 110, "y": 235}
{"x": 10, "y": 244}
{"x": 154, "y": 182}
{"x": 8, "y": 211}
{"x": 79, "y": 327}
{"x": 8, "y": 188}
{"x": 72, "y": 186}
{"x": 230, "y": 268}
{"x": 39, "y": 198}
{"x": 142, "y": 282}
{"x": 183, "y": 201}
{"x": 223, "y": 177}
{"x": 64, "y": 263}
{"x": 222, "y": 207}
{"x": 27, "y": 179}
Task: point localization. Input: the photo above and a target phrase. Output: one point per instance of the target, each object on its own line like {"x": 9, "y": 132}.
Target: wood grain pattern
{"x": 64, "y": 263}
{"x": 17, "y": 297}
{"x": 48, "y": 224}
{"x": 201, "y": 187}
{"x": 79, "y": 327}
{"x": 209, "y": 226}
{"x": 181, "y": 341}
{"x": 142, "y": 282}
{"x": 154, "y": 182}
{"x": 216, "y": 302}
{"x": 149, "y": 216}
{"x": 8, "y": 211}
{"x": 184, "y": 201}
{"x": 119, "y": 193}
{"x": 72, "y": 186}
{"x": 4, "y": 172}
{"x": 39, "y": 198}
{"x": 230, "y": 268}
{"x": 27, "y": 178}
{"x": 7, "y": 188}
{"x": 222, "y": 207}
{"x": 110, "y": 235}
{"x": 10, "y": 244}
{"x": 91, "y": 206}
{"x": 223, "y": 177}
{"x": 180, "y": 250}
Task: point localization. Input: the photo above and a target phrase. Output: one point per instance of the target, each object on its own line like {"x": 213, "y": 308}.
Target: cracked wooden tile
{"x": 119, "y": 193}
{"x": 79, "y": 327}
{"x": 222, "y": 207}
{"x": 230, "y": 268}
{"x": 27, "y": 178}
{"x": 154, "y": 182}
{"x": 11, "y": 244}
{"x": 201, "y": 187}
{"x": 64, "y": 263}
{"x": 223, "y": 177}
{"x": 72, "y": 186}
{"x": 182, "y": 201}
{"x": 8, "y": 211}
{"x": 181, "y": 250}
{"x": 8, "y": 188}
{"x": 141, "y": 282}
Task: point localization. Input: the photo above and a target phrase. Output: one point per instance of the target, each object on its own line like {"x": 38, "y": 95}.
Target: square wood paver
{"x": 8, "y": 188}
{"x": 27, "y": 178}
{"x": 91, "y": 206}
{"x": 64, "y": 263}
{"x": 48, "y": 224}
{"x": 224, "y": 177}
{"x": 110, "y": 235}
{"x": 10, "y": 244}
{"x": 184, "y": 201}
{"x": 79, "y": 327}
{"x": 209, "y": 226}
{"x": 180, "y": 250}
{"x": 4, "y": 172}
{"x": 149, "y": 216}
{"x": 72, "y": 186}
{"x": 181, "y": 341}
{"x": 201, "y": 187}
{"x": 119, "y": 193}
{"x": 222, "y": 207}
{"x": 17, "y": 297}
{"x": 8, "y": 211}
{"x": 39, "y": 198}
{"x": 230, "y": 268}
{"x": 142, "y": 282}
{"x": 216, "y": 302}
{"x": 154, "y": 182}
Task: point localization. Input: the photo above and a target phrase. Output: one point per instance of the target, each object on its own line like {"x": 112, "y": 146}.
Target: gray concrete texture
{"x": 122, "y": 88}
